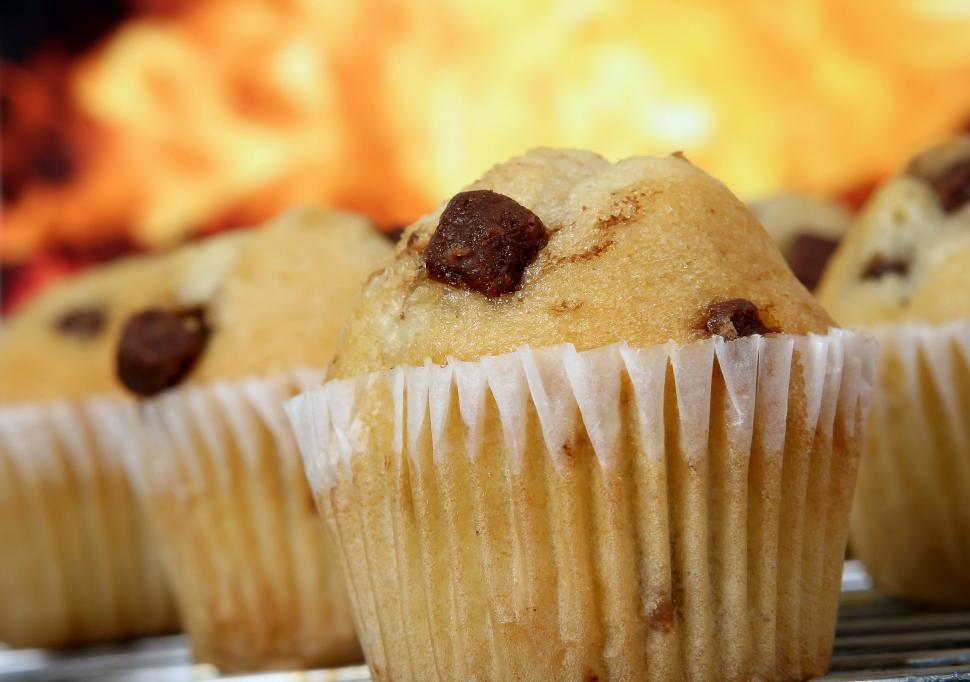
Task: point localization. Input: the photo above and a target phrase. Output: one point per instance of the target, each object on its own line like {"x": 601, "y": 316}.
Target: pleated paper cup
{"x": 911, "y": 522}
{"x": 77, "y": 565}
{"x": 620, "y": 513}
{"x": 222, "y": 480}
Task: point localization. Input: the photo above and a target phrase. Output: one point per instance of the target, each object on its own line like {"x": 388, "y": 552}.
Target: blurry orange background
{"x": 217, "y": 113}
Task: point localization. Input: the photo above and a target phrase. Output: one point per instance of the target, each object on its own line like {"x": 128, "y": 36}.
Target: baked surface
{"x": 637, "y": 251}
{"x": 282, "y": 302}
{"x": 907, "y": 257}
{"x": 61, "y": 344}
{"x": 255, "y": 303}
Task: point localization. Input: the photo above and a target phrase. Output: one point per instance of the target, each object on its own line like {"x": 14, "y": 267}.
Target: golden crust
{"x": 38, "y": 362}
{"x": 283, "y": 298}
{"x": 276, "y": 298}
{"x": 637, "y": 252}
{"x": 905, "y": 223}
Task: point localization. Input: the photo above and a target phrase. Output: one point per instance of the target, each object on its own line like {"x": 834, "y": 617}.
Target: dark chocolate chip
{"x": 880, "y": 266}
{"x": 393, "y": 233}
{"x": 951, "y": 184}
{"x": 734, "y": 318}
{"x": 159, "y": 347}
{"x": 483, "y": 242}
{"x": 82, "y": 323}
{"x": 807, "y": 256}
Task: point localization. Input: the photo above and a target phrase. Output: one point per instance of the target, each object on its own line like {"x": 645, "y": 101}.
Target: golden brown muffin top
{"x": 270, "y": 303}
{"x": 647, "y": 250}
{"x": 907, "y": 256}
{"x": 61, "y": 343}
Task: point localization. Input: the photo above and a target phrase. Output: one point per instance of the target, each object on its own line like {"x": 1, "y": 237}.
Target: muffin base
{"x": 911, "y": 520}
{"x": 222, "y": 481}
{"x": 616, "y": 514}
{"x": 78, "y": 564}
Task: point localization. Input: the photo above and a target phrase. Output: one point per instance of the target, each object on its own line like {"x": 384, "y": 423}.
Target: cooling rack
{"x": 877, "y": 638}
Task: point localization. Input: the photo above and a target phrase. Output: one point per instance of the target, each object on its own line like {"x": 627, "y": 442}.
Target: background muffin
{"x": 806, "y": 229}
{"x": 78, "y": 565}
{"x": 251, "y": 322}
{"x": 539, "y": 454}
{"x": 905, "y": 268}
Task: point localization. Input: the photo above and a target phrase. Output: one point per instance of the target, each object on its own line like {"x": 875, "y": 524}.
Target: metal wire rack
{"x": 878, "y": 638}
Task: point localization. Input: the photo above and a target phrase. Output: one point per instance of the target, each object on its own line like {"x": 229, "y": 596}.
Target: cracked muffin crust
{"x": 635, "y": 251}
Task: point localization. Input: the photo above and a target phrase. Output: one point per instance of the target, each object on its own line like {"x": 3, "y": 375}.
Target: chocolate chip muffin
{"x": 78, "y": 565}
{"x": 904, "y": 270}
{"x": 250, "y": 323}
{"x": 587, "y": 425}
{"x": 806, "y": 229}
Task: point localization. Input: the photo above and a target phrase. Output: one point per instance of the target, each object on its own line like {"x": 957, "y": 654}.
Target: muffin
{"x": 78, "y": 565}
{"x": 588, "y": 426}
{"x": 806, "y": 229}
{"x": 904, "y": 271}
{"x": 252, "y": 321}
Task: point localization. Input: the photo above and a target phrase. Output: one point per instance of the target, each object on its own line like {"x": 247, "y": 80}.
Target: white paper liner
{"x": 78, "y": 563}
{"x": 221, "y": 478}
{"x": 558, "y": 380}
{"x": 911, "y": 522}
{"x": 479, "y": 541}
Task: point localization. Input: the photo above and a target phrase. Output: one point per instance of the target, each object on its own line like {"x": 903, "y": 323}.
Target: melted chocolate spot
{"x": 483, "y": 242}
{"x": 82, "y": 323}
{"x": 807, "y": 255}
{"x": 734, "y": 318}
{"x": 951, "y": 184}
{"x": 880, "y": 266}
{"x": 158, "y": 348}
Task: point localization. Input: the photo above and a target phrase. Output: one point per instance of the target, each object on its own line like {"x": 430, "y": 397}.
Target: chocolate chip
{"x": 483, "y": 242}
{"x": 81, "y": 323}
{"x": 734, "y": 318}
{"x": 881, "y": 266}
{"x": 159, "y": 347}
{"x": 951, "y": 184}
{"x": 807, "y": 256}
{"x": 393, "y": 233}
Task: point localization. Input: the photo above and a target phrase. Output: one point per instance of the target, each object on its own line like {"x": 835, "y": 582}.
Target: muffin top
{"x": 806, "y": 229}
{"x": 561, "y": 246}
{"x": 61, "y": 343}
{"x": 907, "y": 257}
{"x": 271, "y": 302}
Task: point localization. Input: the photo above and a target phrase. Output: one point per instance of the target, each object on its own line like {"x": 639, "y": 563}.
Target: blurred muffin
{"x": 539, "y": 452}
{"x": 904, "y": 269}
{"x": 806, "y": 229}
{"x": 78, "y": 566}
{"x": 251, "y": 323}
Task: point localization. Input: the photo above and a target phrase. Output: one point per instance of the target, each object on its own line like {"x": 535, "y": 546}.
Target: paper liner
{"x": 78, "y": 565}
{"x": 911, "y": 521}
{"x": 224, "y": 487}
{"x": 620, "y": 513}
